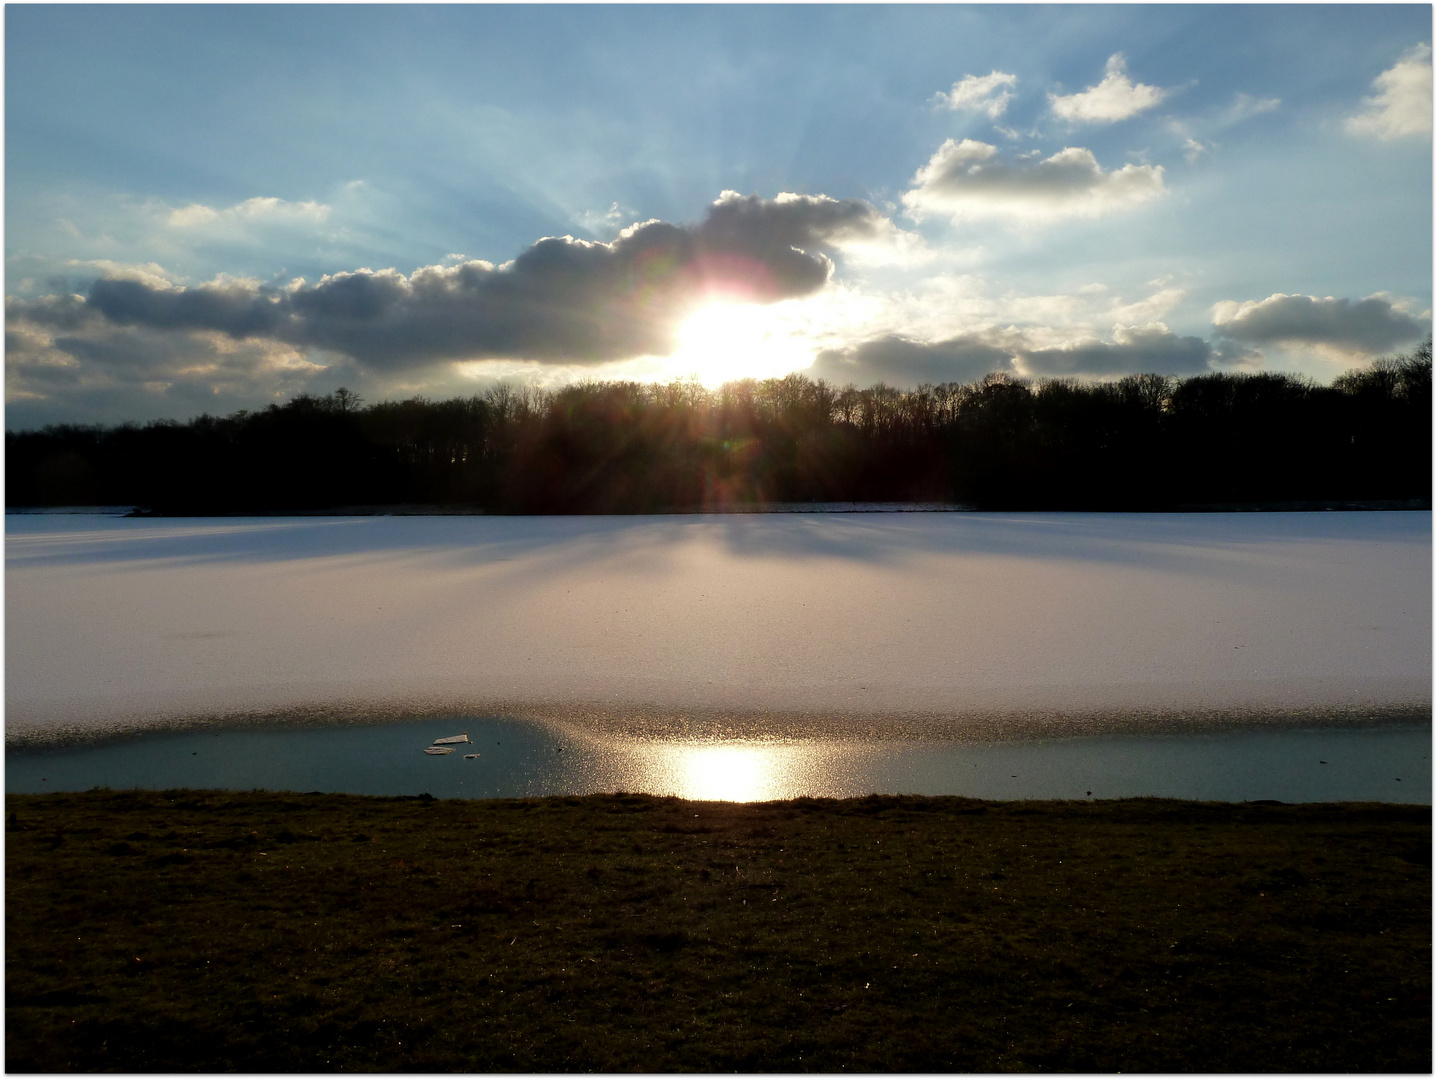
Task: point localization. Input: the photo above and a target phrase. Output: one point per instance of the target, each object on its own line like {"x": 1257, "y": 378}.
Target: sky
{"x": 211, "y": 208}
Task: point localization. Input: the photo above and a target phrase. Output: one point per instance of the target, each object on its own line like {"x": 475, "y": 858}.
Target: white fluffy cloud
{"x": 969, "y": 180}
{"x": 151, "y": 273}
{"x": 1402, "y": 107}
{"x": 1372, "y": 325}
{"x": 981, "y": 93}
{"x": 1116, "y": 98}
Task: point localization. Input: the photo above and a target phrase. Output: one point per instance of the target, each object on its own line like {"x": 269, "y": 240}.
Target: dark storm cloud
{"x": 1150, "y": 350}
{"x": 902, "y": 362}
{"x": 1371, "y": 325}
{"x": 64, "y": 312}
{"x": 779, "y": 234}
{"x": 561, "y": 299}
{"x": 237, "y": 309}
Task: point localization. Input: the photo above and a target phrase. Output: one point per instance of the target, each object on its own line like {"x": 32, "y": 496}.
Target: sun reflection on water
{"x": 728, "y": 772}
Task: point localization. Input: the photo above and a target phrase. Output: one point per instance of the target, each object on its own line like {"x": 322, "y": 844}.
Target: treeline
{"x": 1143, "y": 442}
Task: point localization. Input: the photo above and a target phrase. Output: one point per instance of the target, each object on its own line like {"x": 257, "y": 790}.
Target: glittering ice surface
{"x": 714, "y": 624}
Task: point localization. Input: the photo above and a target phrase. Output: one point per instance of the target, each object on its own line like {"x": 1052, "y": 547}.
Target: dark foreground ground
{"x": 183, "y": 931}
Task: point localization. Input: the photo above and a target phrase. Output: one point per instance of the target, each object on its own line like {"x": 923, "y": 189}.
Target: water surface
{"x": 525, "y": 758}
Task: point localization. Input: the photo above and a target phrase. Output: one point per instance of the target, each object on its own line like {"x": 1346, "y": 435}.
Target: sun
{"x": 724, "y": 340}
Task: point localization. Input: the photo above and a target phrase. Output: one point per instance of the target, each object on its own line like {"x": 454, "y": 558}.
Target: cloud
{"x": 65, "y": 312}
{"x": 264, "y": 209}
{"x": 1040, "y": 352}
{"x": 949, "y": 304}
{"x": 1193, "y": 130}
{"x": 1245, "y": 106}
{"x": 903, "y": 362}
{"x": 1149, "y": 309}
{"x": 65, "y": 363}
{"x": 968, "y": 180}
{"x": 608, "y": 222}
{"x": 237, "y": 308}
{"x": 1372, "y": 325}
{"x": 1402, "y": 107}
{"x": 980, "y": 93}
{"x": 122, "y": 235}
{"x": 779, "y": 232}
{"x": 561, "y": 300}
{"x": 1115, "y": 98}
{"x": 886, "y": 245}
{"x": 1234, "y": 354}
{"x": 151, "y": 273}
{"x": 1148, "y": 349}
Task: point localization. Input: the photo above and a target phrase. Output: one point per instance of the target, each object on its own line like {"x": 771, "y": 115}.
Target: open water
{"x": 526, "y": 758}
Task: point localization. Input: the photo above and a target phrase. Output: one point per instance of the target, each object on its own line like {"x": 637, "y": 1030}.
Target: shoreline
{"x": 654, "y": 722}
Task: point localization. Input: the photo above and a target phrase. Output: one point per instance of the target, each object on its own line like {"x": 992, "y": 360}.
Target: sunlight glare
{"x": 724, "y": 341}
{"x": 729, "y": 772}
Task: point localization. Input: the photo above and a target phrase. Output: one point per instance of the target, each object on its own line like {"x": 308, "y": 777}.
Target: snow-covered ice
{"x": 926, "y": 619}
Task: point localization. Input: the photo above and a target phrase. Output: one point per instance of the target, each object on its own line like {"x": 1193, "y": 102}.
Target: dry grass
{"x": 183, "y": 931}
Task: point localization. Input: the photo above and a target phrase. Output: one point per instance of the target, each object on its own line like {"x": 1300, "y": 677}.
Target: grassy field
{"x": 181, "y": 931}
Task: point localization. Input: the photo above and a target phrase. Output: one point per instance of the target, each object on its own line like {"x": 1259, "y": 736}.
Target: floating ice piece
{"x": 453, "y": 739}
{"x": 437, "y": 750}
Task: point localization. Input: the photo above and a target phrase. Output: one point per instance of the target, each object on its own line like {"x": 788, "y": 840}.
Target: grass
{"x": 183, "y": 931}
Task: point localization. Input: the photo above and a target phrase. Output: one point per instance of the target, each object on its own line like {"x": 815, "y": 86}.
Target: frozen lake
{"x": 857, "y": 637}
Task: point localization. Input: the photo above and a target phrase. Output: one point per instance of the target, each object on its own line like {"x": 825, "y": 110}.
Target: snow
{"x": 922, "y": 620}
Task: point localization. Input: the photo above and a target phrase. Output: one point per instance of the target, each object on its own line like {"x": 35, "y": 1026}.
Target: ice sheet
{"x": 913, "y": 618}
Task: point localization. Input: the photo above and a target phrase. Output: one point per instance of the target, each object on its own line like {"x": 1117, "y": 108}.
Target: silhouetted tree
{"x": 1140, "y": 442}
